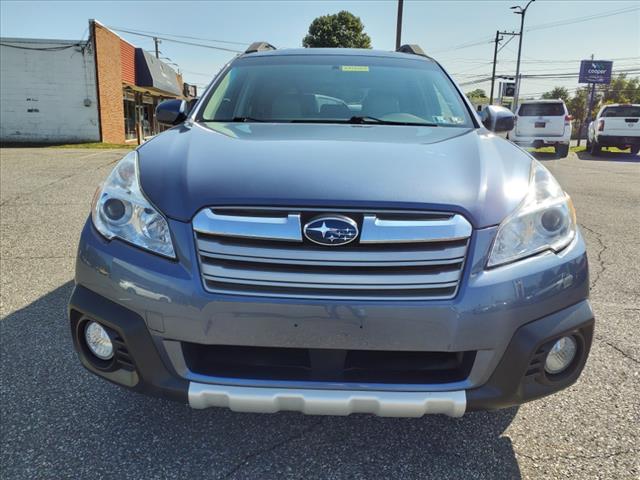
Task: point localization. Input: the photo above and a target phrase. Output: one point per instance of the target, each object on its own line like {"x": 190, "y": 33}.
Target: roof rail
{"x": 412, "y": 49}
{"x": 259, "y": 47}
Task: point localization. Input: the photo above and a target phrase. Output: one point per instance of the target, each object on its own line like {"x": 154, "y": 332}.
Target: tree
{"x": 622, "y": 90}
{"x": 577, "y": 107}
{"x": 557, "y": 92}
{"x": 477, "y": 93}
{"x": 343, "y": 30}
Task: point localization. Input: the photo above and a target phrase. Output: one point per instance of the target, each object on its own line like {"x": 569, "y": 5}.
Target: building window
{"x": 148, "y": 116}
{"x": 129, "y": 115}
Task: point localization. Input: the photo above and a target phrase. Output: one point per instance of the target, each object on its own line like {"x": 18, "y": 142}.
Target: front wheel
{"x": 595, "y": 149}
{"x": 561, "y": 150}
{"x": 634, "y": 150}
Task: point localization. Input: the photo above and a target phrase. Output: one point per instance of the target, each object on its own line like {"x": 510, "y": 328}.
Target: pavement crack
{"x": 618, "y": 349}
{"x": 600, "y": 261}
{"x": 54, "y": 182}
{"x": 248, "y": 458}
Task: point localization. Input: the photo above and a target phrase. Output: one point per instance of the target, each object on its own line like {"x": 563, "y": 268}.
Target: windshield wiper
{"x": 359, "y": 120}
{"x": 245, "y": 119}
{"x": 366, "y": 119}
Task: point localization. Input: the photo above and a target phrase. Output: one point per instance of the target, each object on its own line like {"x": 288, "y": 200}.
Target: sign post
{"x": 593, "y": 72}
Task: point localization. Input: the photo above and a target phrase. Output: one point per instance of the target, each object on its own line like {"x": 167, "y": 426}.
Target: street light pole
{"x": 522, "y": 12}
{"x": 399, "y": 25}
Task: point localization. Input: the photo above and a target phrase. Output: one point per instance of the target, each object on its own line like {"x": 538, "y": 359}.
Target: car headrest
{"x": 335, "y": 111}
{"x": 378, "y": 103}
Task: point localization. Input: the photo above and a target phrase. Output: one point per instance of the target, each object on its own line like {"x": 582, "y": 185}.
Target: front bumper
{"x": 506, "y": 315}
{"x": 518, "y": 378}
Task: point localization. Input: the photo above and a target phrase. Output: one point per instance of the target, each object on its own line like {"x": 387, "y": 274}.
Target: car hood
{"x": 469, "y": 171}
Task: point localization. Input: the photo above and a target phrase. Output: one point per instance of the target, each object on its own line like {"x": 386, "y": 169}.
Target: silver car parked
{"x": 333, "y": 231}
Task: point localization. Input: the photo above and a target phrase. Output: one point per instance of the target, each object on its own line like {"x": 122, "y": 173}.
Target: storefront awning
{"x": 154, "y": 73}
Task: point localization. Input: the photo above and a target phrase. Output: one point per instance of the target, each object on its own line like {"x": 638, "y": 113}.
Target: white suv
{"x": 616, "y": 125}
{"x": 542, "y": 123}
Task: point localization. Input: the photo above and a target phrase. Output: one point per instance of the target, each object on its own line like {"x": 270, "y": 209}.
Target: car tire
{"x": 595, "y": 149}
{"x": 561, "y": 150}
{"x": 634, "y": 150}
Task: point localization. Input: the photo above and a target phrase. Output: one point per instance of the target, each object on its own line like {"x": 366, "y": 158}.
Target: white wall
{"x": 43, "y": 93}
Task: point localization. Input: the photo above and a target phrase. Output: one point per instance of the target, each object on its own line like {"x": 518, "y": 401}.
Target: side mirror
{"x": 497, "y": 119}
{"x": 172, "y": 112}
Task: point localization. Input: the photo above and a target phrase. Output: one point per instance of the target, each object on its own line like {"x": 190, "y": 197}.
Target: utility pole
{"x": 399, "y": 24}
{"x": 157, "y": 42}
{"x": 495, "y": 58}
{"x": 522, "y": 12}
{"x": 498, "y": 39}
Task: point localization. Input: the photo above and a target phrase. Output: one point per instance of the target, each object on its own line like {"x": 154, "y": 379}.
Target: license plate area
{"x": 540, "y": 124}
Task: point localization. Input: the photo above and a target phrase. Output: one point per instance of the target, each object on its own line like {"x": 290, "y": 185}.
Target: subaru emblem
{"x": 331, "y": 230}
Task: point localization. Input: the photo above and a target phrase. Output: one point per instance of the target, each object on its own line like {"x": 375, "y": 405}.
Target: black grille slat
{"x": 336, "y": 269}
{"x": 327, "y": 365}
{"x": 337, "y": 294}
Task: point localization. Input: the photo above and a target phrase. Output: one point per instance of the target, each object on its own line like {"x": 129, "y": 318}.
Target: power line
{"x": 188, "y": 37}
{"x": 542, "y": 26}
{"x": 566, "y": 75}
{"x": 209, "y": 75}
{"x": 533, "y": 60}
{"x": 506, "y": 43}
{"x": 179, "y": 41}
{"x": 545, "y": 70}
{"x": 465, "y": 45}
{"x": 582, "y": 19}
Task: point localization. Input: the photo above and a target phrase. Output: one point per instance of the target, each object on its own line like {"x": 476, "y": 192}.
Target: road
{"x": 59, "y": 421}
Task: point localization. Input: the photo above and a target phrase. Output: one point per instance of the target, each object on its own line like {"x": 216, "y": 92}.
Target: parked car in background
{"x": 333, "y": 231}
{"x": 543, "y": 123}
{"x": 616, "y": 125}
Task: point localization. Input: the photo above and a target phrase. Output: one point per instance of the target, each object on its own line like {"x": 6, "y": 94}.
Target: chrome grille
{"x": 400, "y": 255}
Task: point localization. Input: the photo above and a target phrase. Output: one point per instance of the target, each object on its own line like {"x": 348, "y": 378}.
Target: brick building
{"x": 104, "y": 89}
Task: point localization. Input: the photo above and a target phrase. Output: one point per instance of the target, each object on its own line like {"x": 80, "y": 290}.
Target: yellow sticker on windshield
{"x": 354, "y": 68}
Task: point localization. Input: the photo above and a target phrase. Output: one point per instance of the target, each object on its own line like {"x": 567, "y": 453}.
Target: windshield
{"x": 622, "y": 111}
{"x": 541, "y": 109}
{"x": 335, "y": 89}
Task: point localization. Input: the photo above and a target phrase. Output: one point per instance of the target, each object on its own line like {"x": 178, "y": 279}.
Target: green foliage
{"x": 577, "y": 105}
{"x": 557, "y": 92}
{"x": 622, "y": 90}
{"x": 477, "y": 93}
{"x": 343, "y": 30}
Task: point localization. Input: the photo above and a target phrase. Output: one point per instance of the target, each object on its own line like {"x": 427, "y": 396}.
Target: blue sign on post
{"x": 595, "y": 71}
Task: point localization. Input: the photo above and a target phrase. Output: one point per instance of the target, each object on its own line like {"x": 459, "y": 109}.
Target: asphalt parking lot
{"x": 59, "y": 421}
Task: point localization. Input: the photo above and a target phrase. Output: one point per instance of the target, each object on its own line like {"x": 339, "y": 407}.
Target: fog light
{"x": 98, "y": 341}
{"x": 561, "y": 355}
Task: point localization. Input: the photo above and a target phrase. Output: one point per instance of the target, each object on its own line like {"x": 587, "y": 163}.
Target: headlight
{"x": 545, "y": 220}
{"x": 121, "y": 210}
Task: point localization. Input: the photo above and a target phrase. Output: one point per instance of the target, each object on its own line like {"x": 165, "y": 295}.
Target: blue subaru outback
{"x": 333, "y": 231}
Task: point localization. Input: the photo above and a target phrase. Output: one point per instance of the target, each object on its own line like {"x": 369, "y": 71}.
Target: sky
{"x": 459, "y": 34}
